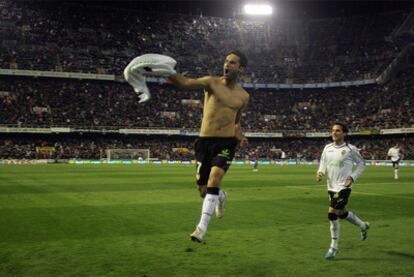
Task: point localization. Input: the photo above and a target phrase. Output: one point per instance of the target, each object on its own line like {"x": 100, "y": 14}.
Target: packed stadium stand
{"x": 92, "y": 39}
{"x": 30, "y": 102}
{"x": 89, "y": 39}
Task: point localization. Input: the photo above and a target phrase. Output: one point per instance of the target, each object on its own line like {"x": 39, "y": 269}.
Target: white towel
{"x": 147, "y": 65}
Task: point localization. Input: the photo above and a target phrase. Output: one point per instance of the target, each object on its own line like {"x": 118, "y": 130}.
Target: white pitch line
{"x": 355, "y": 192}
{"x": 358, "y": 184}
{"x": 384, "y": 195}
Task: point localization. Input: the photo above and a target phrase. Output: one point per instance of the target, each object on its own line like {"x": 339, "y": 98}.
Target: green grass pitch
{"x": 135, "y": 220}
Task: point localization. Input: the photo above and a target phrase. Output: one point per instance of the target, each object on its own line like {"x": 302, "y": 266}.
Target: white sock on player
{"x": 335, "y": 227}
{"x": 209, "y": 204}
{"x": 354, "y": 219}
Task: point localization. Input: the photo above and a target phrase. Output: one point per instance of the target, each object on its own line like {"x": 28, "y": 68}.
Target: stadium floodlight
{"x": 254, "y": 9}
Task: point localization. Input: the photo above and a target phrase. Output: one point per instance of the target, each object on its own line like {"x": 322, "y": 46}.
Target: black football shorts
{"x": 213, "y": 151}
{"x": 338, "y": 200}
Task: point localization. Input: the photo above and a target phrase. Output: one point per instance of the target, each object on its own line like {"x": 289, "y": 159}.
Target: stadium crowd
{"x": 34, "y": 102}
{"x": 75, "y": 38}
{"x": 64, "y": 37}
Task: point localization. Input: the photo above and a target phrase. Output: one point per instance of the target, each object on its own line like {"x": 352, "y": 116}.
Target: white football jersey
{"x": 394, "y": 153}
{"x": 337, "y": 163}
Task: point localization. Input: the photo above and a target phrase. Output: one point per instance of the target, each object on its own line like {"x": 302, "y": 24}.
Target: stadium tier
{"x": 93, "y": 39}
{"x": 46, "y": 102}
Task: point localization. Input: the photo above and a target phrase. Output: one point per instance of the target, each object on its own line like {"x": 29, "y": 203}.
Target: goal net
{"x": 128, "y": 154}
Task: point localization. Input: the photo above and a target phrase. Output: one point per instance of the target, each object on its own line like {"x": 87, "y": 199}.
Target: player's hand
{"x": 244, "y": 142}
{"x": 319, "y": 176}
{"x": 349, "y": 181}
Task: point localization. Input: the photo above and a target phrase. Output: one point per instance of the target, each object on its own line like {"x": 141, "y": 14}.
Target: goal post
{"x": 128, "y": 154}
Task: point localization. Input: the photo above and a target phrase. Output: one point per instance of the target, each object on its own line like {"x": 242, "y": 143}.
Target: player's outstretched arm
{"x": 189, "y": 83}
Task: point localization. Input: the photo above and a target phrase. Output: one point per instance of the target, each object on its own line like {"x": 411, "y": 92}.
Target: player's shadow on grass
{"x": 339, "y": 259}
{"x": 392, "y": 253}
{"x": 401, "y": 254}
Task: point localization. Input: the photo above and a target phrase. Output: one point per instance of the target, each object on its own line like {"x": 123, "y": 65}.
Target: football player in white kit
{"x": 395, "y": 154}
{"x": 336, "y": 162}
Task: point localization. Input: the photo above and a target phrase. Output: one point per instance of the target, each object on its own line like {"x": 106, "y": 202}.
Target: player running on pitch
{"x": 394, "y": 153}
{"x": 224, "y": 102}
{"x": 336, "y": 162}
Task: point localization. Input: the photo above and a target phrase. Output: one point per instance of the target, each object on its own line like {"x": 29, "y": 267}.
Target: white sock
{"x": 354, "y": 219}
{"x": 209, "y": 204}
{"x": 396, "y": 172}
{"x": 221, "y": 196}
{"x": 334, "y": 233}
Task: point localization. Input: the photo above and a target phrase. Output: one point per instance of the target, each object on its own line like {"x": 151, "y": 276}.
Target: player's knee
{"x": 343, "y": 215}
{"x": 332, "y": 216}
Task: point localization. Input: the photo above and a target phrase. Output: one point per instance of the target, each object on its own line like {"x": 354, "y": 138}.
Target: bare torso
{"x": 221, "y": 107}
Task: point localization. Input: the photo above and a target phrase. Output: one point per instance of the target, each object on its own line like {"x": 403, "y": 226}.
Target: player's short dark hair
{"x": 343, "y": 126}
{"x": 242, "y": 57}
